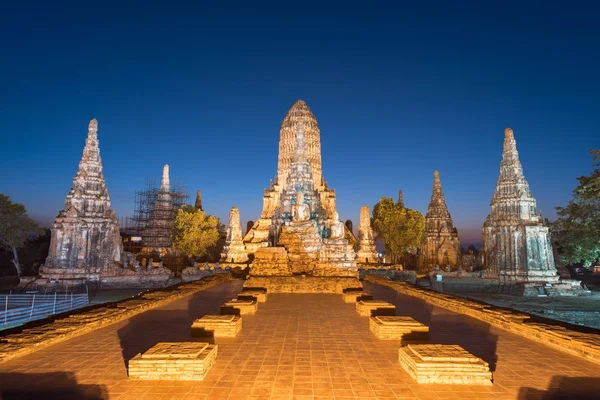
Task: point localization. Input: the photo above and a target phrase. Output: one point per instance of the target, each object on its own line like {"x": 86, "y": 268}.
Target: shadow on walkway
{"x": 564, "y": 388}
{"x": 445, "y": 327}
{"x": 51, "y": 386}
{"x": 172, "y": 323}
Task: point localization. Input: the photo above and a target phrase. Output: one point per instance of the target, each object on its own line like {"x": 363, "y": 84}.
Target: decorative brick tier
{"x": 368, "y": 308}
{"x": 445, "y": 364}
{"x": 174, "y": 361}
{"x": 398, "y": 328}
{"x": 259, "y": 294}
{"x": 218, "y": 325}
{"x": 306, "y": 284}
{"x": 352, "y": 296}
{"x": 245, "y": 307}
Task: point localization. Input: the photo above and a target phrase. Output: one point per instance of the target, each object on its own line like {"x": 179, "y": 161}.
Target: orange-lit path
{"x": 297, "y": 346}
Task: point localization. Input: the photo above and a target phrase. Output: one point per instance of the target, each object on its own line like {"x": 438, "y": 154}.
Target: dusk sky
{"x": 398, "y": 90}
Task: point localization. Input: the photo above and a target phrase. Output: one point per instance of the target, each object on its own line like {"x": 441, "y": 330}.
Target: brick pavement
{"x": 300, "y": 346}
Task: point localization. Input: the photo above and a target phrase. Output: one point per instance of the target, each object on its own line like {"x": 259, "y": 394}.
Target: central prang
{"x": 299, "y": 231}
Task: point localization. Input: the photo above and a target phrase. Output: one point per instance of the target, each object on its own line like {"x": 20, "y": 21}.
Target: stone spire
{"x": 400, "y": 198}
{"x": 165, "y": 185}
{"x": 299, "y": 115}
{"x": 366, "y": 250}
{"x": 85, "y": 234}
{"x": 234, "y": 250}
{"x": 516, "y": 240}
{"x": 198, "y": 203}
{"x": 441, "y": 246}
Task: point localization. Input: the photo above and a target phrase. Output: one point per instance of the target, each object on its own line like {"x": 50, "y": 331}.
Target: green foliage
{"x": 194, "y": 232}
{"x": 577, "y": 229}
{"x": 15, "y": 227}
{"x": 400, "y": 228}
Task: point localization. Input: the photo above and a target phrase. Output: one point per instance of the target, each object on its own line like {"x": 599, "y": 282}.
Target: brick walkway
{"x": 297, "y": 346}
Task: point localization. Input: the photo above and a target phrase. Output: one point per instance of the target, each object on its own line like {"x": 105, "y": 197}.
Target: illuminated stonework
{"x": 352, "y": 296}
{"x": 244, "y": 307}
{"x": 85, "y": 234}
{"x": 444, "y": 364}
{"x": 217, "y": 325}
{"x": 174, "y": 361}
{"x": 259, "y": 294}
{"x": 441, "y": 246}
{"x": 516, "y": 240}
{"x": 398, "y": 328}
{"x": 234, "y": 250}
{"x": 366, "y": 250}
{"x": 369, "y": 308}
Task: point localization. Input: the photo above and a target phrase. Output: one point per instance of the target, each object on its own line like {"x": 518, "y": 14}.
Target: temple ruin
{"x": 516, "y": 239}
{"x": 234, "y": 250}
{"x": 299, "y": 210}
{"x": 367, "y": 253}
{"x": 441, "y": 245}
{"x": 85, "y": 239}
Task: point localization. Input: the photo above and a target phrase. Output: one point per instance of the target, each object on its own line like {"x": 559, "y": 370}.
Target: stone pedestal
{"x": 259, "y": 294}
{"x": 217, "y": 325}
{"x": 398, "y": 328}
{"x": 245, "y": 307}
{"x": 445, "y": 364}
{"x": 300, "y": 284}
{"x": 352, "y": 296}
{"x": 175, "y": 361}
{"x": 368, "y": 308}
{"x": 270, "y": 261}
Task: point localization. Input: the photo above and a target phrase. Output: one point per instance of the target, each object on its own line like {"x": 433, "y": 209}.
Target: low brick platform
{"x": 368, "y": 308}
{"x": 259, "y": 294}
{"x": 174, "y": 361}
{"x": 352, "y": 296}
{"x": 445, "y": 364}
{"x": 398, "y": 328}
{"x": 245, "y": 307}
{"x": 217, "y": 325}
{"x": 306, "y": 284}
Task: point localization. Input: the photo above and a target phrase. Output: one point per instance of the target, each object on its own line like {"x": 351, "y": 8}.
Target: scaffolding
{"x": 151, "y": 226}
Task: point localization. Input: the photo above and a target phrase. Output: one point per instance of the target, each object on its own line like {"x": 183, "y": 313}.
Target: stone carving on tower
{"x": 516, "y": 239}
{"x": 299, "y": 210}
{"x": 441, "y": 245}
{"x": 234, "y": 250}
{"x": 367, "y": 253}
{"x": 85, "y": 237}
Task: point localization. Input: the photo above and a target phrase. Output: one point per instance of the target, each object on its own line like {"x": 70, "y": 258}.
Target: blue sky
{"x": 399, "y": 90}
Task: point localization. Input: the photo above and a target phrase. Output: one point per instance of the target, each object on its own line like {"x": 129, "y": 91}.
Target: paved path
{"x": 299, "y": 346}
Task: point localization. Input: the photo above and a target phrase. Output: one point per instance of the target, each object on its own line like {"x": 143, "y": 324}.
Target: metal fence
{"x": 22, "y": 308}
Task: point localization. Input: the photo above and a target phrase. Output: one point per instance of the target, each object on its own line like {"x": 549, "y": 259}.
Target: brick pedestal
{"x": 259, "y": 294}
{"x": 174, "y": 361}
{"x": 245, "y": 307}
{"x": 354, "y": 295}
{"x": 398, "y": 328}
{"x": 368, "y": 308}
{"x": 218, "y": 325}
{"x": 445, "y": 364}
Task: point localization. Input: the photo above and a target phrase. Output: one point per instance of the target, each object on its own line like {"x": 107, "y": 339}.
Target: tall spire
{"x": 165, "y": 185}
{"x": 198, "y": 203}
{"x": 299, "y": 114}
{"x": 512, "y": 197}
{"x": 437, "y": 205}
{"x": 234, "y": 250}
{"x": 400, "y": 198}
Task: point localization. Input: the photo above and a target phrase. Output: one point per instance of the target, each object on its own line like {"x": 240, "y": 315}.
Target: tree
{"x": 577, "y": 229}
{"x": 399, "y": 227}
{"x": 194, "y": 232}
{"x": 15, "y": 228}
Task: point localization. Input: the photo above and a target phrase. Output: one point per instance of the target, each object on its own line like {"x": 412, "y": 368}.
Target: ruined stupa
{"x": 516, "y": 240}
{"x": 157, "y": 233}
{"x": 85, "y": 240}
{"x": 367, "y": 253}
{"x": 299, "y": 210}
{"x": 234, "y": 250}
{"x": 441, "y": 246}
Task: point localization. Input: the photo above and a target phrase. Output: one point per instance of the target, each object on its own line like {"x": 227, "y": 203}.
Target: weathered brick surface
{"x": 353, "y": 296}
{"x": 30, "y": 340}
{"x": 397, "y": 327}
{"x": 174, "y": 361}
{"x": 366, "y": 308}
{"x": 259, "y": 294}
{"x": 585, "y": 345}
{"x": 245, "y": 307}
{"x": 445, "y": 364}
{"x": 218, "y": 325}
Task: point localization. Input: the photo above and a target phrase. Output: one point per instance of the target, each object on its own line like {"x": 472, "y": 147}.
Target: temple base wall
{"x": 300, "y": 284}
